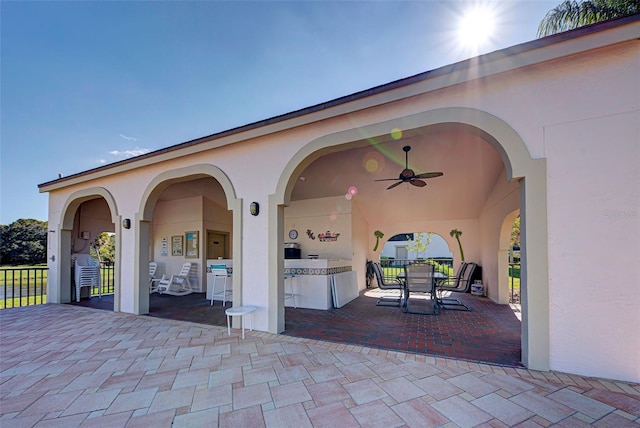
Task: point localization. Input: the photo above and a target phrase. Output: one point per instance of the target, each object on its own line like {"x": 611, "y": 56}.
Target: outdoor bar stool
{"x": 220, "y": 274}
{"x": 291, "y": 294}
{"x": 241, "y": 311}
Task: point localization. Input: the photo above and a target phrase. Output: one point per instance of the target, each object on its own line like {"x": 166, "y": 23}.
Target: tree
{"x": 515, "y": 232}
{"x": 572, "y": 14}
{"x": 105, "y": 245}
{"x": 419, "y": 244}
{"x": 23, "y": 242}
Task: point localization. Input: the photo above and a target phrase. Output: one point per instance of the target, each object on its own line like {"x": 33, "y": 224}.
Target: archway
{"x": 519, "y": 167}
{"x": 171, "y": 182}
{"x": 70, "y": 228}
{"x": 503, "y": 257}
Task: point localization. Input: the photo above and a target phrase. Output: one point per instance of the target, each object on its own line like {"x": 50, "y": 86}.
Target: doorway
{"x": 217, "y": 244}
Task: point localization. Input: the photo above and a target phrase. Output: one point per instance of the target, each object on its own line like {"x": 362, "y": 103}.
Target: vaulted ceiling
{"x": 469, "y": 164}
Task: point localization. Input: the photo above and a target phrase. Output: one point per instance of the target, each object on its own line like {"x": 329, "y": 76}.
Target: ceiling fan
{"x": 408, "y": 176}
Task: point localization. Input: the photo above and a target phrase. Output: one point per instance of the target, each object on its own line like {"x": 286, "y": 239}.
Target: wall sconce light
{"x": 254, "y": 208}
{"x": 126, "y": 223}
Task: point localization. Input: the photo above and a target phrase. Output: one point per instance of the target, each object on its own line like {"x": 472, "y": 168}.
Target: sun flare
{"x": 476, "y": 26}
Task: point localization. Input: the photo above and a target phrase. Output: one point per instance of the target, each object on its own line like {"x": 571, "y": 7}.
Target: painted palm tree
{"x": 456, "y": 233}
{"x": 379, "y": 235}
{"x": 572, "y": 14}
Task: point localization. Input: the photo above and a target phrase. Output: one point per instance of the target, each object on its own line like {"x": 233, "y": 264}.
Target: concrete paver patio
{"x": 69, "y": 366}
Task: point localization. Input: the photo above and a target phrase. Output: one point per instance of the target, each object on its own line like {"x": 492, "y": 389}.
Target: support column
{"x": 534, "y": 274}
{"x": 504, "y": 286}
{"x": 276, "y": 266}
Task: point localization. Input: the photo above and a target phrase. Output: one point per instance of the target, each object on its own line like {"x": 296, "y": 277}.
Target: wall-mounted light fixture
{"x": 254, "y": 208}
{"x": 126, "y": 223}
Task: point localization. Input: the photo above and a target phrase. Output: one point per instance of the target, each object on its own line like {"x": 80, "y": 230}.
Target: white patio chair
{"x": 176, "y": 285}
{"x": 153, "y": 281}
{"x": 86, "y": 273}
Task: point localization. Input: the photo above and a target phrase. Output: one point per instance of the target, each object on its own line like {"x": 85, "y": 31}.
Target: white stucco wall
{"x": 580, "y": 113}
{"x": 594, "y": 242}
{"x": 504, "y": 199}
{"x": 170, "y": 220}
{"x": 359, "y": 242}
{"x": 319, "y": 216}
{"x": 94, "y": 220}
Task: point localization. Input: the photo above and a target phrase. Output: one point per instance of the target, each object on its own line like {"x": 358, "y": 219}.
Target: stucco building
{"x": 549, "y": 130}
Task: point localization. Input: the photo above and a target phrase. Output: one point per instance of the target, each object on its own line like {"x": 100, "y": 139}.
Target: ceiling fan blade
{"x": 429, "y": 175}
{"x": 418, "y": 183}
{"x": 386, "y": 179}
{"x": 395, "y": 185}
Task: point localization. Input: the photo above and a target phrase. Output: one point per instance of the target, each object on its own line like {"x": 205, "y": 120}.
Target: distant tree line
{"x": 23, "y": 242}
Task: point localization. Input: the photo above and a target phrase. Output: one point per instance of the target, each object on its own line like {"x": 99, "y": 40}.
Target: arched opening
{"x": 410, "y": 247}
{"x": 188, "y": 217}
{"x": 476, "y": 143}
{"x": 509, "y": 287}
{"x": 87, "y": 215}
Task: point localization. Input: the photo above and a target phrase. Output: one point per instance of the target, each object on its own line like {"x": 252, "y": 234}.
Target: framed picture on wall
{"x": 193, "y": 245}
{"x": 176, "y": 245}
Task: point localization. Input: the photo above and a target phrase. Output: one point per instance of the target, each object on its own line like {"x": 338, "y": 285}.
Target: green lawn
{"x": 514, "y": 273}
{"x": 25, "y": 301}
{"x": 23, "y": 281}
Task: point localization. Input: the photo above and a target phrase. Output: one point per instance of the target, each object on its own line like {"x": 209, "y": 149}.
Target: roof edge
{"x": 420, "y": 77}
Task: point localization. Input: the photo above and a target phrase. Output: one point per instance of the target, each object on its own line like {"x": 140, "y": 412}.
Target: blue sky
{"x": 89, "y": 83}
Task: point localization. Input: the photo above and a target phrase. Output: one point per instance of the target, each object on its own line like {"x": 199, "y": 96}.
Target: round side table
{"x": 241, "y": 311}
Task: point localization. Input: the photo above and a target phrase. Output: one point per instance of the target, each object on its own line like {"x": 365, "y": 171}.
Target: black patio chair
{"x": 384, "y": 285}
{"x": 461, "y": 283}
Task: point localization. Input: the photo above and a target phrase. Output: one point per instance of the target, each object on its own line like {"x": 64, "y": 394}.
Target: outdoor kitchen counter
{"x": 311, "y": 284}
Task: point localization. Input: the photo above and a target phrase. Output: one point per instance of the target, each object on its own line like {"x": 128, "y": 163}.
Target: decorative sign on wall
{"x": 328, "y": 236}
{"x": 176, "y": 245}
{"x": 164, "y": 250}
{"x": 193, "y": 245}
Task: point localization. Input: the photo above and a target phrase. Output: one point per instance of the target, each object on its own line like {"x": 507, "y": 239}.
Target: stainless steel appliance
{"x": 291, "y": 250}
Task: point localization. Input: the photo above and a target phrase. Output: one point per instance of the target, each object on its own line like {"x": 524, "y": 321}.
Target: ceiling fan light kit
{"x": 408, "y": 176}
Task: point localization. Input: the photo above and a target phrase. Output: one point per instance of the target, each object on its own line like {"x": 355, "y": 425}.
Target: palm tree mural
{"x": 572, "y": 14}
{"x": 455, "y": 233}
{"x": 379, "y": 235}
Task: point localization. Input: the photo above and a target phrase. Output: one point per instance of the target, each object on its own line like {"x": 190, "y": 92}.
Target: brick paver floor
{"x": 70, "y": 366}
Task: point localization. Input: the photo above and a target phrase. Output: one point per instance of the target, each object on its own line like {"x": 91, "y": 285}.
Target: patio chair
{"x": 176, "y": 285}
{"x": 153, "y": 281}
{"x": 461, "y": 283}
{"x": 220, "y": 275}
{"x": 419, "y": 279}
{"x": 384, "y": 285}
{"x": 86, "y": 273}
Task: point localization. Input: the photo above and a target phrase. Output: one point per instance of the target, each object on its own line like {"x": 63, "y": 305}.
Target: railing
{"x": 391, "y": 268}
{"x": 23, "y": 286}
{"x": 28, "y": 286}
{"x": 514, "y": 283}
{"x": 106, "y": 279}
